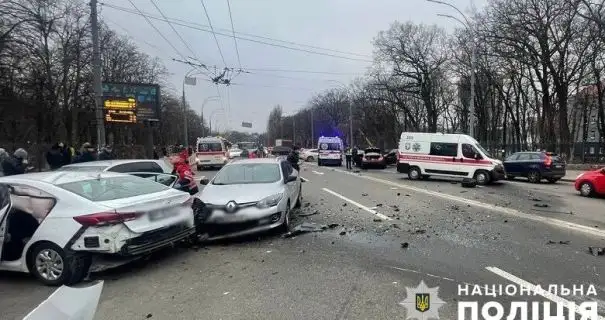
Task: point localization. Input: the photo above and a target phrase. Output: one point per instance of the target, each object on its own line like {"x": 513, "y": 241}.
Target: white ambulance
{"x": 211, "y": 152}
{"x": 449, "y": 155}
{"x": 330, "y": 151}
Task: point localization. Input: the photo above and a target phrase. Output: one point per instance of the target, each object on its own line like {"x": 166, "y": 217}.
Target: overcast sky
{"x": 343, "y": 25}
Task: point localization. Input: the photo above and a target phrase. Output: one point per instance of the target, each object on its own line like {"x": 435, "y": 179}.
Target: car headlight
{"x": 270, "y": 201}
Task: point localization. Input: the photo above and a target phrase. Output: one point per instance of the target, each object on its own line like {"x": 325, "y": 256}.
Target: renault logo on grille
{"x": 231, "y": 206}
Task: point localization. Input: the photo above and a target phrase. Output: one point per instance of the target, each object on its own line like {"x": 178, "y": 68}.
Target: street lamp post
{"x": 211, "y": 98}
{"x": 466, "y": 23}
{"x": 212, "y": 116}
{"x": 312, "y": 128}
{"x": 192, "y": 82}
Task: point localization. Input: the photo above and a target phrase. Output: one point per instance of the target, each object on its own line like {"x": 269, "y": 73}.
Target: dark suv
{"x": 535, "y": 166}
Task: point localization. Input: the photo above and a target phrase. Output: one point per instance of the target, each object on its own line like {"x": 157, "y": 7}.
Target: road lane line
{"x": 512, "y": 212}
{"x": 426, "y": 274}
{"x": 548, "y": 295}
{"x": 317, "y": 172}
{"x": 359, "y": 205}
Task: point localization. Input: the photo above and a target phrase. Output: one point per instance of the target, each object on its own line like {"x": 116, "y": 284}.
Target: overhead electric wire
{"x": 157, "y": 30}
{"x": 175, "y": 31}
{"x": 130, "y": 35}
{"x": 239, "y": 62}
{"x": 192, "y": 26}
{"x": 213, "y": 33}
{"x": 257, "y": 36}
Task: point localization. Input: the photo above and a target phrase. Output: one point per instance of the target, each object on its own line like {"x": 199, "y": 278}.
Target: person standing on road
{"x": 349, "y": 158}
{"x": 55, "y": 157}
{"x": 107, "y": 153}
{"x": 355, "y": 154}
{"x": 294, "y": 158}
{"x": 15, "y": 164}
{"x": 186, "y": 180}
{"x": 87, "y": 153}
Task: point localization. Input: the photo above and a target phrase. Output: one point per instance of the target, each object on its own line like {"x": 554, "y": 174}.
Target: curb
{"x": 568, "y": 180}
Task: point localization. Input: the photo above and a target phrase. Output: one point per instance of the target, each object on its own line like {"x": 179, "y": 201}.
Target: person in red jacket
{"x": 182, "y": 169}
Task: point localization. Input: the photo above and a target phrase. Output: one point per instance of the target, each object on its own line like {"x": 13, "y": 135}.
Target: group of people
{"x": 60, "y": 154}
{"x": 258, "y": 153}
{"x": 12, "y": 164}
{"x": 352, "y": 157}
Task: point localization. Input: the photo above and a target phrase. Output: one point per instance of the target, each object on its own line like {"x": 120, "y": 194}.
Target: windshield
{"x": 84, "y": 168}
{"x": 113, "y": 188}
{"x": 246, "y": 173}
{"x": 247, "y": 145}
{"x": 329, "y": 146}
{"x": 478, "y": 146}
{"x": 209, "y": 146}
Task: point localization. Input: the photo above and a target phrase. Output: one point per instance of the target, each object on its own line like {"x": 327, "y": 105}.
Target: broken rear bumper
{"x": 156, "y": 239}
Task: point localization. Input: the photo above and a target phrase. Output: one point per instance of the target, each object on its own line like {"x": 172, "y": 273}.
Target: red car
{"x": 591, "y": 183}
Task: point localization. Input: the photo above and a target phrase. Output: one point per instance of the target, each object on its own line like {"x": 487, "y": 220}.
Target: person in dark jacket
{"x": 294, "y": 158}
{"x": 155, "y": 155}
{"x": 107, "y": 153}
{"x": 16, "y": 164}
{"x": 67, "y": 153}
{"x": 55, "y": 157}
{"x": 87, "y": 153}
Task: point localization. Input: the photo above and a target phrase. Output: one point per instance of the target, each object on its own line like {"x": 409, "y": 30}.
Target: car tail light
{"x": 548, "y": 161}
{"x": 105, "y": 218}
{"x": 380, "y": 158}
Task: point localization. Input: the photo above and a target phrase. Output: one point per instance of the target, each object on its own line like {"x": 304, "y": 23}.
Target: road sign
{"x": 247, "y": 124}
{"x": 131, "y": 102}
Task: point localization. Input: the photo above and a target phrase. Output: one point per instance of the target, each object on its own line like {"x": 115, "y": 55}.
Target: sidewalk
{"x": 571, "y": 175}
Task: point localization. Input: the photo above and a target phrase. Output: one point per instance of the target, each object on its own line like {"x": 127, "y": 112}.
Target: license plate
{"x": 159, "y": 215}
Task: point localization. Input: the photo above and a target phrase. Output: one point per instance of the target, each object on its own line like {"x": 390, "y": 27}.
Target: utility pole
{"x": 471, "y": 106}
{"x": 350, "y": 124}
{"x": 96, "y": 74}
{"x": 312, "y": 129}
{"x": 186, "y": 135}
{"x": 293, "y": 131}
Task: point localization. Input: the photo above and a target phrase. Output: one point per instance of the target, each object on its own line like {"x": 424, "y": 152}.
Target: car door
{"x": 287, "y": 170}
{"x": 523, "y": 164}
{"x": 510, "y": 165}
{"x": 5, "y": 206}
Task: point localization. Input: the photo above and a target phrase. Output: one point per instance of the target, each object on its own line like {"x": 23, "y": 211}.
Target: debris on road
{"x": 364, "y": 194}
{"x": 377, "y": 220}
{"x": 596, "y": 251}
{"x": 541, "y": 205}
{"x": 379, "y": 204}
{"x": 505, "y": 221}
{"x": 405, "y": 245}
{"x": 455, "y": 207}
{"x": 342, "y": 232}
{"x": 560, "y": 242}
{"x": 344, "y": 204}
{"x": 309, "y": 214}
{"x": 307, "y": 204}
{"x": 535, "y": 199}
{"x": 333, "y": 225}
{"x": 393, "y": 188}
{"x": 356, "y": 171}
{"x": 469, "y": 183}
{"x": 398, "y": 194}
{"x": 305, "y": 227}
{"x": 149, "y": 315}
{"x": 396, "y": 226}
{"x": 420, "y": 231}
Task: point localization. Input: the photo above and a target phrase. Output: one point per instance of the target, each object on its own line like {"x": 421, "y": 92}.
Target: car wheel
{"x": 310, "y": 159}
{"x": 414, "y": 173}
{"x": 534, "y": 176}
{"x": 552, "y": 180}
{"x": 285, "y": 227}
{"x": 482, "y": 177}
{"x": 318, "y": 163}
{"x": 53, "y": 266}
{"x": 383, "y": 167}
{"x": 298, "y": 203}
{"x": 586, "y": 189}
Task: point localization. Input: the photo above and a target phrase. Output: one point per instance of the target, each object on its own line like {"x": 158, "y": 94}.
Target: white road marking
{"x": 317, "y": 172}
{"x": 552, "y": 297}
{"x": 304, "y": 179}
{"x": 426, "y": 274}
{"x": 512, "y": 212}
{"x": 359, "y": 205}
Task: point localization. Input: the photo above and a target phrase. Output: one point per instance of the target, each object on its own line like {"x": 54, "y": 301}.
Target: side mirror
{"x": 204, "y": 181}
{"x": 291, "y": 178}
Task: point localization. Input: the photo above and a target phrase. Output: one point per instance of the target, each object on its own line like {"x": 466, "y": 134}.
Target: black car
{"x": 535, "y": 166}
{"x": 391, "y": 157}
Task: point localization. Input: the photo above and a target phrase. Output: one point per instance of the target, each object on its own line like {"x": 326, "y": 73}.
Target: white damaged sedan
{"x": 251, "y": 195}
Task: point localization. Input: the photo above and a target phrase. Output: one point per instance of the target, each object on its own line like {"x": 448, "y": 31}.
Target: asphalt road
{"x": 359, "y": 269}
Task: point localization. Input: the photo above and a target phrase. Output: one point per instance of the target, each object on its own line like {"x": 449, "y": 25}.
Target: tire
{"x": 383, "y": 167}
{"x": 298, "y": 203}
{"x": 587, "y": 189}
{"x": 75, "y": 266}
{"x": 482, "y": 177}
{"x": 318, "y": 163}
{"x": 552, "y": 180}
{"x": 414, "y": 173}
{"x": 510, "y": 177}
{"x": 310, "y": 159}
{"x": 285, "y": 226}
{"x": 534, "y": 176}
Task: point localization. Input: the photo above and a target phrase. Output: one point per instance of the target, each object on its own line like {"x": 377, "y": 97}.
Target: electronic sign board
{"x": 130, "y": 102}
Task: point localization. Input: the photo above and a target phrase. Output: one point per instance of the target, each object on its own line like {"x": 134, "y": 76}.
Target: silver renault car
{"x": 251, "y": 195}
